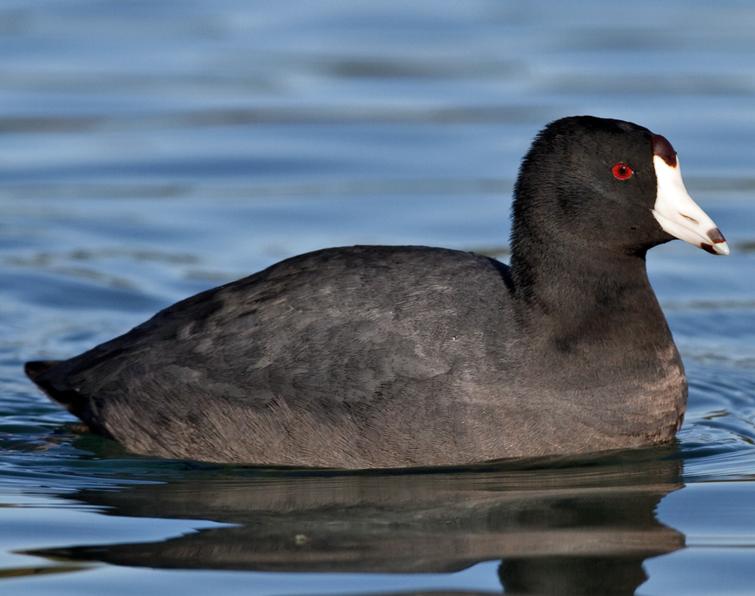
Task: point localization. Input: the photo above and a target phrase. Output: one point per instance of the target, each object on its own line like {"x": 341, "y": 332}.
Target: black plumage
{"x": 378, "y": 356}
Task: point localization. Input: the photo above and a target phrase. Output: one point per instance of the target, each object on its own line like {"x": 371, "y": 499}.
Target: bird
{"x": 366, "y": 357}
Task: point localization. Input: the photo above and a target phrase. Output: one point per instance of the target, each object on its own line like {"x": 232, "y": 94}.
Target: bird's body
{"x": 290, "y": 363}
{"x": 372, "y": 356}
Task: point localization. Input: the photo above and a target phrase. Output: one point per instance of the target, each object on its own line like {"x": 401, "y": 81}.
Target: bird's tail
{"x": 42, "y": 373}
{"x": 36, "y": 370}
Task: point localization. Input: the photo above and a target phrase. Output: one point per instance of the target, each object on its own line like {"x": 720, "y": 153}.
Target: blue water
{"x": 152, "y": 149}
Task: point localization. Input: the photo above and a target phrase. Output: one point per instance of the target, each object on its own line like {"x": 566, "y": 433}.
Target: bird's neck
{"x": 580, "y": 295}
{"x": 594, "y": 323}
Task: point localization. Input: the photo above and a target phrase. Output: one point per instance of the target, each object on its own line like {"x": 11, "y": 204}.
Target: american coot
{"x": 393, "y": 356}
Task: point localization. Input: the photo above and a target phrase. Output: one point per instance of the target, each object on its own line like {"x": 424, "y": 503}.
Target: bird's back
{"x": 348, "y": 357}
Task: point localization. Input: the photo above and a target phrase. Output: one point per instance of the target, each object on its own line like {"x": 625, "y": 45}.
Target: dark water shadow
{"x": 577, "y": 528}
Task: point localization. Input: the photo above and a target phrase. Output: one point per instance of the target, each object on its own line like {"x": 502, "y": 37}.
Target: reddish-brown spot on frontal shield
{"x": 663, "y": 149}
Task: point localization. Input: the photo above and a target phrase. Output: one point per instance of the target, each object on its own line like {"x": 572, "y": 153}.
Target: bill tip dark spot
{"x": 716, "y": 236}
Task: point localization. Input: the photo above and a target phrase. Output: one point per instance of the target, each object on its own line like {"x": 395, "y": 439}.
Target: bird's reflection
{"x": 570, "y": 528}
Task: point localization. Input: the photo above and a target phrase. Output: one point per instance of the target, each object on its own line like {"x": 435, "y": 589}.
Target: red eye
{"x": 622, "y": 171}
